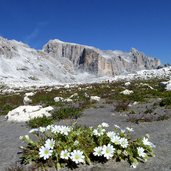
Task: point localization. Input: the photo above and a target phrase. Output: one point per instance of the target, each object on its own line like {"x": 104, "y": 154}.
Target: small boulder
{"x": 25, "y": 113}
{"x": 67, "y": 86}
{"x": 127, "y": 92}
{"x": 127, "y": 83}
{"x": 168, "y": 86}
{"x": 26, "y": 99}
{"x": 68, "y": 100}
{"x": 95, "y": 98}
{"x": 86, "y": 95}
{"x": 73, "y": 95}
{"x": 58, "y": 99}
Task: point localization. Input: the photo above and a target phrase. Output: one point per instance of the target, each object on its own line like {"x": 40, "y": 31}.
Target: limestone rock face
{"x": 61, "y": 62}
{"x": 58, "y": 49}
{"x": 20, "y": 63}
{"x": 98, "y": 62}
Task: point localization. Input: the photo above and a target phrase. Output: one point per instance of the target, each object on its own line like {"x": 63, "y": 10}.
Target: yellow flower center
{"x": 46, "y": 152}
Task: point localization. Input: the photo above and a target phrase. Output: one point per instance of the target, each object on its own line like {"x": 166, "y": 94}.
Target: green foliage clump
{"x": 9, "y": 102}
{"x": 39, "y": 121}
{"x": 64, "y": 113}
{"x": 63, "y": 146}
{"x": 166, "y": 102}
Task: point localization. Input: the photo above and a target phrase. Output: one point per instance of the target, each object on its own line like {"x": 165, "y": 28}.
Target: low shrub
{"x": 40, "y": 121}
{"x": 61, "y": 146}
{"x": 67, "y": 112}
{"x": 165, "y": 102}
{"x": 121, "y": 106}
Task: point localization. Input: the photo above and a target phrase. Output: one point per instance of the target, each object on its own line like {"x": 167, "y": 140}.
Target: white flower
{"x": 141, "y": 152}
{"x": 49, "y": 127}
{"x": 56, "y": 129}
{"x": 99, "y": 131}
{"x": 95, "y": 132}
{"x": 134, "y": 165}
{"x": 147, "y": 135}
{"x": 123, "y": 142}
{"x": 122, "y": 131}
{"x": 25, "y": 137}
{"x": 105, "y": 125}
{"x": 77, "y": 156}
{"x": 65, "y": 130}
{"x": 146, "y": 142}
{"x": 111, "y": 134}
{"x": 129, "y": 129}
{"x": 50, "y": 143}
{"x": 42, "y": 129}
{"x": 76, "y": 142}
{"x": 65, "y": 154}
{"x": 45, "y": 152}
{"x": 21, "y": 137}
{"x": 33, "y": 130}
{"x": 117, "y": 126}
{"x": 98, "y": 151}
{"x": 108, "y": 151}
{"x": 115, "y": 139}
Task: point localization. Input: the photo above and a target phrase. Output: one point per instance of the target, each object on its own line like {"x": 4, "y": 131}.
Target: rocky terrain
{"x": 99, "y": 62}
{"x": 144, "y": 105}
{"x": 61, "y": 62}
{"x": 67, "y": 82}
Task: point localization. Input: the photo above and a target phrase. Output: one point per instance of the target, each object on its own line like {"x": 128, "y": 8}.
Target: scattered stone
{"x": 26, "y": 99}
{"x": 167, "y": 85}
{"x": 58, "y": 99}
{"x": 133, "y": 104}
{"x": 68, "y": 100}
{"x": 49, "y": 89}
{"x": 61, "y": 99}
{"x": 30, "y": 94}
{"x": 73, "y": 95}
{"x": 25, "y": 113}
{"x": 127, "y": 92}
{"x": 67, "y": 86}
{"x": 95, "y": 98}
{"x": 127, "y": 83}
{"x": 163, "y": 84}
{"x": 143, "y": 84}
{"x": 86, "y": 95}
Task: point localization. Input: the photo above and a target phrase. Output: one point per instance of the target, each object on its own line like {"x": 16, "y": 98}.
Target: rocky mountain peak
{"x": 61, "y": 62}
{"x": 99, "y": 62}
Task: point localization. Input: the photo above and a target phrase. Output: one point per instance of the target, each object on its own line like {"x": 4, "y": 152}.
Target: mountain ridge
{"x": 64, "y": 62}
{"x": 100, "y": 62}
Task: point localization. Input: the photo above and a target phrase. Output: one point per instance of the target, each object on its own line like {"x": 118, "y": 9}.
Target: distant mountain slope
{"x": 101, "y": 63}
{"x": 18, "y": 62}
{"x": 60, "y": 62}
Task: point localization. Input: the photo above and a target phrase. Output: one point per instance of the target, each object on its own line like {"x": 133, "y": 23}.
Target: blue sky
{"x": 105, "y": 24}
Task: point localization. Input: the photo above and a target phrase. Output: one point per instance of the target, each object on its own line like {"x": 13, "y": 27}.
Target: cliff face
{"x": 98, "y": 62}
{"x": 20, "y": 63}
{"x": 62, "y": 62}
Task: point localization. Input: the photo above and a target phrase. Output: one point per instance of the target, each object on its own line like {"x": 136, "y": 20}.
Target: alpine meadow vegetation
{"x": 61, "y": 146}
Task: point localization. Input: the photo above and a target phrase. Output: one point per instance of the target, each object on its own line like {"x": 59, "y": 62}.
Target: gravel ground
{"x": 159, "y": 131}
